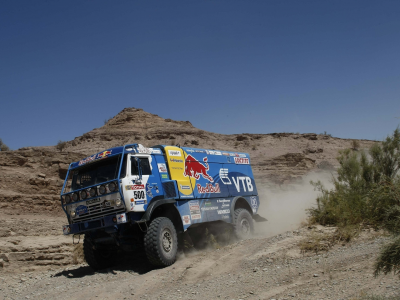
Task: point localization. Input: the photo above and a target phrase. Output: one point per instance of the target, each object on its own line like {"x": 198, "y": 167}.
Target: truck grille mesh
{"x": 169, "y": 189}
{"x": 96, "y": 211}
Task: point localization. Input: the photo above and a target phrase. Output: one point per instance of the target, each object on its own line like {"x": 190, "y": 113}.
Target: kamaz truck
{"x": 132, "y": 197}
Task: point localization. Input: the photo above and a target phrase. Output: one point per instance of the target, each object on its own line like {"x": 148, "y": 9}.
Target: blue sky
{"x": 226, "y": 66}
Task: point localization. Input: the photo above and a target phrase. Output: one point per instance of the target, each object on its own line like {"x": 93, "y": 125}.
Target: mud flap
{"x": 258, "y": 218}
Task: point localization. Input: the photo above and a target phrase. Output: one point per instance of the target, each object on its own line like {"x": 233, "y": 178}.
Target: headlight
{"x": 67, "y": 199}
{"x": 84, "y": 195}
{"x": 73, "y": 214}
{"x": 102, "y": 189}
{"x": 118, "y": 202}
{"x": 75, "y": 197}
{"x": 93, "y": 192}
{"x": 112, "y": 187}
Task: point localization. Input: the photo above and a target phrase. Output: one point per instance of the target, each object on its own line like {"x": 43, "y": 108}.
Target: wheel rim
{"x": 167, "y": 240}
{"x": 245, "y": 227}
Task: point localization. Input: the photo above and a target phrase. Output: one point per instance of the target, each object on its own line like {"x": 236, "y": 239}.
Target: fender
{"x": 152, "y": 206}
{"x": 233, "y": 203}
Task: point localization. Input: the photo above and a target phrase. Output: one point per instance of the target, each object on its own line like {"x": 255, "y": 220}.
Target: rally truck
{"x": 132, "y": 197}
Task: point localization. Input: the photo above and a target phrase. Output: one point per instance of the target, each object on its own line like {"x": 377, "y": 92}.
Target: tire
{"x": 243, "y": 224}
{"x": 161, "y": 242}
{"x": 98, "y": 259}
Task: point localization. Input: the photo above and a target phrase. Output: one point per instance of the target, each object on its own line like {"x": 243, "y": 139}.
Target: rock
{"x": 4, "y": 256}
{"x": 41, "y": 175}
{"x": 315, "y": 275}
{"x": 1, "y": 263}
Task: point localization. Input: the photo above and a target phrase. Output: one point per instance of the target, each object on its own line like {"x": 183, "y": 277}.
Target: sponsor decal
{"x": 212, "y": 152}
{"x": 241, "y": 161}
{"x": 103, "y": 154}
{"x": 194, "y": 168}
{"x": 148, "y": 190}
{"x": 141, "y": 202}
{"x": 207, "y": 203}
{"x": 142, "y": 149}
{"x": 81, "y": 209}
{"x": 223, "y": 200}
{"x": 185, "y": 187}
{"x": 223, "y": 174}
{"x": 132, "y": 205}
{"x": 194, "y": 208}
{"x": 224, "y": 211}
{"x": 190, "y": 150}
{"x": 242, "y": 155}
{"x": 225, "y": 153}
{"x": 225, "y": 205}
{"x": 162, "y": 168}
{"x": 134, "y": 187}
{"x": 155, "y": 151}
{"x": 228, "y": 159}
{"x": 176, "y": 160}
{"x": 121, "y": 218}
{"x": 209, "y": 208}
{"x": 186, "y": 220}
{"x": 233, "y": 154}
{"x": 87, "y": 160}
{"x": 224, "y": 217}
{"x": 209, "y": 188}
{"x": 199, "y": 151}
{"x": 246, "y": 181}
{"x": 253, "y": 201}
{"x": 165, "y": 176}
{"x": 92, "y": 201}
{"x": 174, "y": 153}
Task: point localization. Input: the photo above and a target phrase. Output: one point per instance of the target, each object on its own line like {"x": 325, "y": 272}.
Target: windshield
{"x": 95, "y": 173}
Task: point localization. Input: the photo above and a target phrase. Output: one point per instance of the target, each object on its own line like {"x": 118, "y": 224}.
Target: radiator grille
{"x": 98, "y": 210}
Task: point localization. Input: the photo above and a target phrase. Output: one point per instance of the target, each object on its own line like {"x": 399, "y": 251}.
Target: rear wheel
{"x": 161, "y": 242}
{"x": 98, "y": 258}
{"x": 243, "y": 223}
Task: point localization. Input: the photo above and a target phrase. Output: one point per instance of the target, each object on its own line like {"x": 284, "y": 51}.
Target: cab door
{"x": 141, "y": 191}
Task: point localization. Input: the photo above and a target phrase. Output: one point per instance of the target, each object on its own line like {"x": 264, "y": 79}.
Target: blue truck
{"x": 132, "y": 197}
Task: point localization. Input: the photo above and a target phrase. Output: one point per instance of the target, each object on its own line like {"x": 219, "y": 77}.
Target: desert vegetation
{"x": 366, "y": 193}
{"x": 3, "y": 147}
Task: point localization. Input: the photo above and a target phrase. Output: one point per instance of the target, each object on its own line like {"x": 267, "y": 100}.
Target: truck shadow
{"x": 134, "y": 265}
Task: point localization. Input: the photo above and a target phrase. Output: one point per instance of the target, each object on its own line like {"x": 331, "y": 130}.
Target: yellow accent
{"x": 176, "y": 166}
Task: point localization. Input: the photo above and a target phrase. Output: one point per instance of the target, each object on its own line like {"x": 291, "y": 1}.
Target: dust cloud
{"x": 285, "y": 206}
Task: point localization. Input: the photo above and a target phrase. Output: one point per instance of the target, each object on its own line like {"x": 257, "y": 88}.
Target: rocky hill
{"x": 31, "y": 178}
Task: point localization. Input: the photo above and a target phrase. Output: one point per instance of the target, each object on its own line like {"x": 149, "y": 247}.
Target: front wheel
{"x": 161, "y": 242}
{"x": 98, "y": 258}
{"x": 243, "y": 224}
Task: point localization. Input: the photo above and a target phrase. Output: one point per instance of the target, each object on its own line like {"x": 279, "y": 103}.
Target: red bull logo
{"x": 194, "y": 168}
{"x": 103, "y": 154}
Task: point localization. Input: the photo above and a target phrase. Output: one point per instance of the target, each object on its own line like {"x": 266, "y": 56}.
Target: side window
{"x": 144, "y": 164}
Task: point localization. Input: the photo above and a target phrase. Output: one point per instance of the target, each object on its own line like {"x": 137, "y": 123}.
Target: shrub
{"x": 3, "y": 147}
{"x": 366, "y": 192}
{"x": 61, "y": 145}
{"x": 355, "y": 145}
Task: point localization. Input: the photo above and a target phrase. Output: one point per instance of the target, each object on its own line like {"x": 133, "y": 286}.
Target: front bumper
{"x": 106, "y": 221}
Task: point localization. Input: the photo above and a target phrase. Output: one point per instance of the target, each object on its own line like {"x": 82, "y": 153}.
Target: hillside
{"x": 31, "y": 178}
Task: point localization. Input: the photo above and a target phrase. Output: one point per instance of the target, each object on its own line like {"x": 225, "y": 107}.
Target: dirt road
{"x": 41, "y": 267}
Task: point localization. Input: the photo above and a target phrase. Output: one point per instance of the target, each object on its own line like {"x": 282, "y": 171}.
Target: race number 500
{"x": 139, "y": 195}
